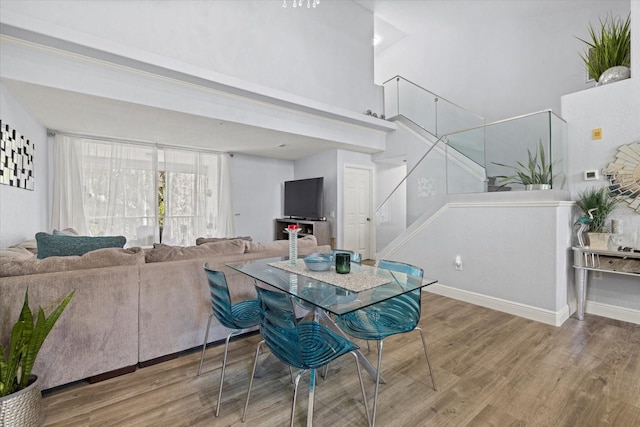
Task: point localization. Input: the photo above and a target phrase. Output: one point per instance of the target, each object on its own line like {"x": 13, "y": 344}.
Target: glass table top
{"x": 333, "y": 297}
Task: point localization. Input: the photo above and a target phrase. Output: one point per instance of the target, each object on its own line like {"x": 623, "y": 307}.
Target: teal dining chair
{"x": 393, "y": 316}
{"x": 238, "y": 316}
{"x": 303, "y": 344}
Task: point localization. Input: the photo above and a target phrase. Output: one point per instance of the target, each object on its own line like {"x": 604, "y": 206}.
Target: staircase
{"x": 441, "y": 149}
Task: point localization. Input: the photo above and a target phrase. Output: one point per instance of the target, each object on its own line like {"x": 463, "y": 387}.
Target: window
{"x": 144, "y": 192}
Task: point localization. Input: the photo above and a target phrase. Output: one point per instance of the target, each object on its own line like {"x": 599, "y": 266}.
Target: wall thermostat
{"x": 591, "y": 175}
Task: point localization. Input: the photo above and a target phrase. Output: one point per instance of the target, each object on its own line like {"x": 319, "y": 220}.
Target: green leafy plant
{"x": 597, "y": 205}
{"x": 536, "y": 171}
{"x": 610, "y": 46}
{"x": 26, "y": 339}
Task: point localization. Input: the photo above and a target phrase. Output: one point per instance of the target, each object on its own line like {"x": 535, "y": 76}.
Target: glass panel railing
{"x": 409, "y": 186}
{"x": 525, "y": 150}
{"x": 431, "y": 112}
{"x": 414, "y": 186}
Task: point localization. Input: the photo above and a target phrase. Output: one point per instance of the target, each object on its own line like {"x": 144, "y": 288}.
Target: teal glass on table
{"x": 304, "y": 344}
{"x": 343, "y": 263}
{"x": 355, "y": 256}
{"x": 239, "y": 316}
{"x": 396, "y": 315}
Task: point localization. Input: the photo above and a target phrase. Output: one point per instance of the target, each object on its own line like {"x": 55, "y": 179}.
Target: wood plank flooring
{"x": 492, "y": 369}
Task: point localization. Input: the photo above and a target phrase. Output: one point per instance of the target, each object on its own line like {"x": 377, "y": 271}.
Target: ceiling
{"x": 92, "y": 115}
{"x": 79, "y": 113}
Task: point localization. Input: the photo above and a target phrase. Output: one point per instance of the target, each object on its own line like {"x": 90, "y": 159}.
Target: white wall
{"x": 500, "y": 68}
{"x": 615, "y": 108}
{"x": 22, "y": 212}
{"x": 502, "y": 266}
{"x": 323, "y": 54}
{"x": 257, "y": 186}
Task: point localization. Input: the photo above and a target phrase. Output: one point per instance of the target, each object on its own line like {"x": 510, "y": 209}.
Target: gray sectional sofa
{"x": 131, "y": 307}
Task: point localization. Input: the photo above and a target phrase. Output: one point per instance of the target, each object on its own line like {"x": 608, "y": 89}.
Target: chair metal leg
{"x": 364, "y": 395}
{"x": 224, "y": 366}
{"x": 424, "y": 345}
{"x": 253, "y": 372}
{"x": 312, "y": 394}
{"x": 295, "y": 395}
{"x": 204, "y": 345}
{"x": 375, "y": 396}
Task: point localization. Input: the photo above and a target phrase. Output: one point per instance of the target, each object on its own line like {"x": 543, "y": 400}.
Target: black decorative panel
{"x": 16, "y": 159}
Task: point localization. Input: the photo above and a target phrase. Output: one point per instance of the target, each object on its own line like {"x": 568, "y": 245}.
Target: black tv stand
{"x": 320, "y": 229}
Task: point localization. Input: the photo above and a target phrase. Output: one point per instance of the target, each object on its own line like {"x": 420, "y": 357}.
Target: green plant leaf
{"x": 25, "y": 343}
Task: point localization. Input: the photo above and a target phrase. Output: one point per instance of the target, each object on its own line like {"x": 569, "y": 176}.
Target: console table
{"x": 586, "y": 259}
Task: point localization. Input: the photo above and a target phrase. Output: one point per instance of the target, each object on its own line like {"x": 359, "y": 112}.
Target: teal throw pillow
{"x": 66, "y": 245}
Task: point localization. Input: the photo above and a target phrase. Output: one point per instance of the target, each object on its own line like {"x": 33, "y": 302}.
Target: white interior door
{"x": 357, "y": 210}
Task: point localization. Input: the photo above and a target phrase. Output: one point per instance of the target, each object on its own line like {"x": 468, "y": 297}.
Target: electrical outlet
{"x": 458, "y": 262}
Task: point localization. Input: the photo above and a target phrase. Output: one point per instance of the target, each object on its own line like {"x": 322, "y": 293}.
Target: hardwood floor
{"x": 492, "y": 369}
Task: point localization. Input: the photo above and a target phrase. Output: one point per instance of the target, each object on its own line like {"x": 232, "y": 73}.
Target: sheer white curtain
{"x": 105, "y": 188}
{"x": 197, "y": 196}
{"x": 68, "y": 206}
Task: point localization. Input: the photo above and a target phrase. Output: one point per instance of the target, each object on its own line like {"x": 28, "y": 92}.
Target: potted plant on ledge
{"x": 537, "y": 174}
{"x": 596, "y": 206}
{"x": 608, "y": 54}
{"x": 20, "y": 398}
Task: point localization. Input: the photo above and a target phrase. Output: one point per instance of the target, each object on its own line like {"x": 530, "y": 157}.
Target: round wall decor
{"x": 624, "y": 175}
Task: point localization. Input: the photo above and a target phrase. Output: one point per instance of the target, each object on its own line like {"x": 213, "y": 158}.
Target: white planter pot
{"x": 599, "y": 240}
{"x": 22, "y": 408}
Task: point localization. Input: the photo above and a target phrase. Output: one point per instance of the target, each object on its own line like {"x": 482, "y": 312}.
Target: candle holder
{"x": 343, "y": 263}
{"x": 293, "y": 230}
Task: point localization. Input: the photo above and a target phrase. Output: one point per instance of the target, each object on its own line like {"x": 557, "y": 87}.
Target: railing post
{"x": 398, "y": 96}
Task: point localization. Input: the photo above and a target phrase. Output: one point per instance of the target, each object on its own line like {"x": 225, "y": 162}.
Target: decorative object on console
{"x": 609, "y": 48}
{"x": 624, "y": 175}
{"x": 20, "y": 398}
{"x": 596, "y": 205}
{"x": 16, "y": 159}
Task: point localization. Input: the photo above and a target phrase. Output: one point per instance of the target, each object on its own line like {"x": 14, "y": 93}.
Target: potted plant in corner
{"x": 608, "y": 54}
{"x": 537, "y": 174}
{"x": 20, "y": 398}
{"x": 596, "y": 206}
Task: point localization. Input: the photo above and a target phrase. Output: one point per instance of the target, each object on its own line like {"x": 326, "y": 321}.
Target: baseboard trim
{"x": 613, "y": 312}
{"x": 555, "y": 318}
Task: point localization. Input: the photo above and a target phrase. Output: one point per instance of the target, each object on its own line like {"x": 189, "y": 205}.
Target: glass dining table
{"x": 331, "y": 292}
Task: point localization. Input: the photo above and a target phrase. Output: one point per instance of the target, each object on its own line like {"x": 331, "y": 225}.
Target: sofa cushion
{"x": 161, "y": 252}
{"x": 203, "y": 240}
{"x": 279, "y": 245}
{"x": 30, "y": 245}
{"x": 16, "y": 253}
{"x": 68, "y": 245}
{"x": 107, "y": 257}
{"x": 66, "y": 232}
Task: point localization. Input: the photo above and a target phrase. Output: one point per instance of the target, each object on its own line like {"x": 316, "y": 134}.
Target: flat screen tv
{"x": 303, "y": 198}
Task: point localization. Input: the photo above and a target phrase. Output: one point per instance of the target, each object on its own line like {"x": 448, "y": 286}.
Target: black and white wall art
{"x": 16, "y": 159}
